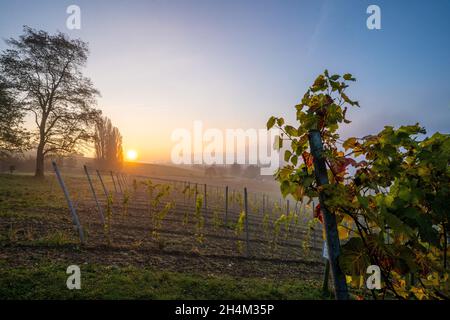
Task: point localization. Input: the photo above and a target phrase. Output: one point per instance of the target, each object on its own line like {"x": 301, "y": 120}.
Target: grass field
{"x": 38, "y": 242}
{"x": 48, "y": 281}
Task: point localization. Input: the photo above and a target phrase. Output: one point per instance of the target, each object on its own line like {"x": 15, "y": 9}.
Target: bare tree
{"x": 45, "y": 73}
{"x": 108, "y": 145}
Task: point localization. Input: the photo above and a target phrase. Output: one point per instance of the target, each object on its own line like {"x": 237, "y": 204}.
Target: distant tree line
{"x": 234, "y": 170}
{"x": 40, "y": 75}
{"x": 108, "y": 145}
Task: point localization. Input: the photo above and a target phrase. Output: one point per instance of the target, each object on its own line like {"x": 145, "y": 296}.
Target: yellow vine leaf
{"x": 343, "y": 233}
{"x": 419, "y": 293}
{"x": 348, "y": 279}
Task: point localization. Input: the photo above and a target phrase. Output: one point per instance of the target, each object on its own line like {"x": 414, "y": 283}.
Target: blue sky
{"x": 163, "y": 64}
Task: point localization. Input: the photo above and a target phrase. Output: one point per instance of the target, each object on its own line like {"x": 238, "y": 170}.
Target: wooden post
{"x": 127, "y": 182}
{"x": 325, "y": 287}
{"x": 313, "y": 244}
{"x": 119, "y": 183}
{"x": 195, "y": 195}
{"x": 205, "y": 203}
{"x": 233, "y": 196}
{"x": 124, "y": 181}
{"x": 75, "y": 219}
{"x": 114, "y": 182}
{"x": 189, "y": 188}
{"x": 246, "y": 222}
{"x": 100, "y": 211}
{"x": 264, "y": 204}
{"x": 104, "y": 188}
{"x": 330, "y": 225}
{"x": 226, "y": 207}
{"x": 313, "y": 240}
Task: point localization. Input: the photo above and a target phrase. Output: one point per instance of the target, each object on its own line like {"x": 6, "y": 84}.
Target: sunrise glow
{"x": 132, "y": 155}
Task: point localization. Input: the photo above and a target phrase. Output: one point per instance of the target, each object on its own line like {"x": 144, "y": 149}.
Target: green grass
{"x": 18, "y": 193}
{"x": 48, "y": 281}
{"x": 24, "y": 201}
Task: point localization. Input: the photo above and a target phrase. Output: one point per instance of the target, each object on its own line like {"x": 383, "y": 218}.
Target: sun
{"x": 132, "y": 155}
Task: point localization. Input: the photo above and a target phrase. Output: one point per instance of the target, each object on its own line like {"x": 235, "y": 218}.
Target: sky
{"x": 162, "y": 64}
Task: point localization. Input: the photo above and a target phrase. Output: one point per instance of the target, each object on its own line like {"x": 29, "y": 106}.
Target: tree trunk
{"x": 39, "y": 173}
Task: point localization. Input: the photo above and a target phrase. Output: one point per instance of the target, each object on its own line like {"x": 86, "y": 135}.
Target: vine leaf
{"x": 353, "y": 259}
